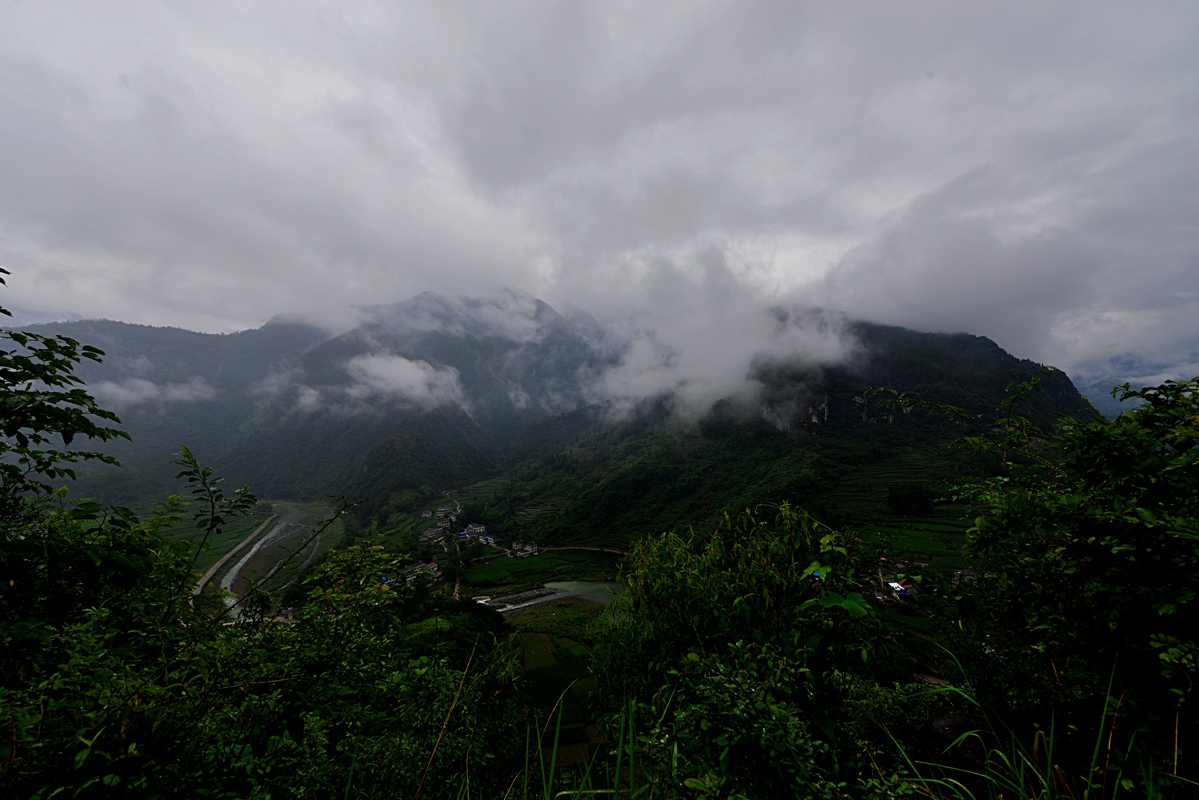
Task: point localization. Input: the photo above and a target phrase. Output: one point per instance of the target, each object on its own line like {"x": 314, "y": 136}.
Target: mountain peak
{"x": 512, "y": 315}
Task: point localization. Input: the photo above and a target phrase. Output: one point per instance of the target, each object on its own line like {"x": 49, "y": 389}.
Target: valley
{"x": 579, "y": 488}
{"x": 599, "y": 401}
{"x": 463, "y": 534}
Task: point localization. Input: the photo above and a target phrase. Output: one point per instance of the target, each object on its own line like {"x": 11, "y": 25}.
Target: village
{"x": 893, "y": 582}
{"x": 442, "y": 534}
{"x": 892, "y": 576}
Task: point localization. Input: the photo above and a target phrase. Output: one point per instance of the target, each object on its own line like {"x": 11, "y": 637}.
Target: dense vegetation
{"x": 761, "y": 672}
{"x": 745, "y": 658}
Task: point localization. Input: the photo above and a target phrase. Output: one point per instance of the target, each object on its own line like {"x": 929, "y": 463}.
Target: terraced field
{"x": 938, "y": 536}
{"x": 581, "y": 453}
{"x": 537, "y": 650}
{"x": 567, "y": 616}
{"x": 487, "y": 489}
{"x": 535, "y": 511}
{"x": 483, "y": 490}
{"x": 862, "y": 496}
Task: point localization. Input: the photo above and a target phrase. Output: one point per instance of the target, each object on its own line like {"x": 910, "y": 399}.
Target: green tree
{"x": 116, "y": 682}
{"x": 41, "y": 401}
{"x": 1086, "y": 567}
{"x": 736, "y": 643}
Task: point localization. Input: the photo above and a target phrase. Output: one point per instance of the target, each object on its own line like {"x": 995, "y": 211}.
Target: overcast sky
{"x": 1024, "y": 170}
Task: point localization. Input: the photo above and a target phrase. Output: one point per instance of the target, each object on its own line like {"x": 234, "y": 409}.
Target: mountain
{"x": 1103, "y": 376}
{"x": 508, "y": 360}
{"x": 811, "y": 436}
{"x": 173, "y": 387}
{"x": 441, "y": 391}
{"x": 295, "y": 410}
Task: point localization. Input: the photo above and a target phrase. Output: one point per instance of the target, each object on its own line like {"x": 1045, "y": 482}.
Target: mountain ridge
{"x": 296, "y": 410}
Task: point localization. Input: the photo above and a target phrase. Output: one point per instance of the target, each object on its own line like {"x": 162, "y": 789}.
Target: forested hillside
{"x": 296, "y": 410}
{"x": 809, "y": 436}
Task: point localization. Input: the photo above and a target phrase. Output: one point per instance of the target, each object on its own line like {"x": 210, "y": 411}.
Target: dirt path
{"x": 221, "y": 562}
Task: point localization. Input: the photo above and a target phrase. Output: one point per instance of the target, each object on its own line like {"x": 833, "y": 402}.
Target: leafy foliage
{"x": 134, "y": 688}
{"x": 738, "y": 638}
{"x": 743, "y": 656}
{"x": 1084, "y": 566}
{"x": 116, "y": 681}
{"x": 40, "y": 400}
{"x": 1088, "y": 558}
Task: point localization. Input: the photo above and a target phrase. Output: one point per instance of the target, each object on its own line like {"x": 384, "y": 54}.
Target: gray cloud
{"x": 1025, "y": 171}
{"x": 698, "y": 331}
{"x": 507, "y": 313}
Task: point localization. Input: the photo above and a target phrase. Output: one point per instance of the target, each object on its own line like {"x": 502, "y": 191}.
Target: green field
{"x": 483, "y": 490}
{"x": 278, "y": 559}
{"x": 508, "y": 574}
{"x": 535, "y": 511}
{"x": 281, "y": 558}
{"x": 570, "y": 618}
{"x": 558, "y": 667}
{"x": 486, "y": 489}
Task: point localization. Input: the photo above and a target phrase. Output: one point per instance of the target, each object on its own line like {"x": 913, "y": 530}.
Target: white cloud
{"x": 308, "y": 399}
{"x": 138, "y": 391}
{"x": 277, "y": 383}
{"x": 418, "y": 382}
{"x": 375, "y": 378}
{"x": 711, "y": 329}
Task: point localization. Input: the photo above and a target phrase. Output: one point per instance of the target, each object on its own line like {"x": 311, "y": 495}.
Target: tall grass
{"x": 1011, "y": 768}
{"x": 1001, "y": 765}
{"x": 547, "y": 780}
